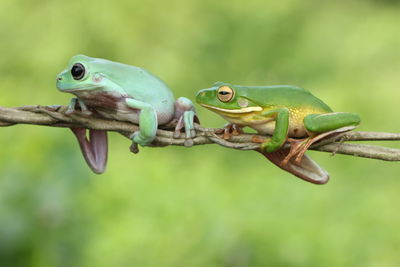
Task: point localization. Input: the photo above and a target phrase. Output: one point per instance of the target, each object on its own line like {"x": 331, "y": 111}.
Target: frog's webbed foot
{"x": 94, "y": 149}
{"x": 73, "y": 105}
{"x": 306, "y": 169}
{"x": 231, "y": 129}
{"x": 298, "y": 147}
{"x": 185, "y": 114}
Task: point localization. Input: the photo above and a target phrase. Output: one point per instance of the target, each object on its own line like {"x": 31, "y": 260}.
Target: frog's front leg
{"x": 279, "y": 136}
{"x": 185, "y": 114}
{"x": 72, "y": 105}
{"x": 147, "y": 122}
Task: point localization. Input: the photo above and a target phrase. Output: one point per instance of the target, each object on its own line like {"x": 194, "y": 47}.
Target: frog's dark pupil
{"x": 224, "y": 93}
{"x": 78, "y": 71}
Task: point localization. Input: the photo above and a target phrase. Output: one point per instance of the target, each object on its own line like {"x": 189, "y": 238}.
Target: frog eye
{"x": 77, "y": 71}
{"x": 225, "y": 93}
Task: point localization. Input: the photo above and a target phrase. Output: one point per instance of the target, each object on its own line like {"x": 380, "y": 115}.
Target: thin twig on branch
{"x": 55, "y": 116}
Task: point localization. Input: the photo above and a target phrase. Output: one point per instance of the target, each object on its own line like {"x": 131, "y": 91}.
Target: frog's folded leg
{"x": 306, "y": 169}
{"x": 184, "y": 118}
{"x": 94, "y": 149}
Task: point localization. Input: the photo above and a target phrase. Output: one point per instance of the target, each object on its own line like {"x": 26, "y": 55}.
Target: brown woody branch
{"x": 55, "y": 116}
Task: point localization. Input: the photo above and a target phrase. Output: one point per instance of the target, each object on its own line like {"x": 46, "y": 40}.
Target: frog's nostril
{"x": 59, "y": 78}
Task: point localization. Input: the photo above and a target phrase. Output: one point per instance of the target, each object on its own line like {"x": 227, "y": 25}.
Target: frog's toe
{"x": 186, "y": 115}
{"x": 178, "y": 127}
{"x": 134, "y": 148}
{"x": 188, "y": 118}
{"x": 186, "y": 121}
{"x": 69, "y": 111}
{"x": 231, "y": 129}
{"x": 87, "y": 112}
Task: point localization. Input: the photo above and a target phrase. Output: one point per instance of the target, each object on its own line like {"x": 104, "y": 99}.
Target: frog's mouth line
{"x": 79, "y": 89}
{"x": 242, "y": 110}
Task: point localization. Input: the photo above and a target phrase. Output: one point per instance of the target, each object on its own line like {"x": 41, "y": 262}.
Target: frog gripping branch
{"x": 287, "y": 113}
{"x": 121, "y": 92}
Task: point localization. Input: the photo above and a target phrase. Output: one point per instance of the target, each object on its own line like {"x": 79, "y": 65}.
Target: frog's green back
{"x": 135, "y": 81}
{"x": 281, "y": 95}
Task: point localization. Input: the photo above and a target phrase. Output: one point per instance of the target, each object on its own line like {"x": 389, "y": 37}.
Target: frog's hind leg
{"x": 318, "y": 137}
{"x": 94, "y": 148}
{"x": 185, "y": 114}
{"x": 320, "y": 126}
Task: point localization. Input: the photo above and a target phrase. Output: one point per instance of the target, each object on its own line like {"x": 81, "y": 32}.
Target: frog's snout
{"x": 200, "y": 95}
{"x": 61, "y": 76}
{"x": 60, "y": 80}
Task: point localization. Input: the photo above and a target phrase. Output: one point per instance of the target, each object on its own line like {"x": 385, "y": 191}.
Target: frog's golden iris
{"x": 225, "y": 93}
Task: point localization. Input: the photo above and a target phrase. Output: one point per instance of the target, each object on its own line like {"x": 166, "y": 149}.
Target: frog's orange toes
{"x": 232, "y": 129}
{"x": 295, "y": 147}
{"x": 319, "y": 137}
{"x": 303, "y": 149}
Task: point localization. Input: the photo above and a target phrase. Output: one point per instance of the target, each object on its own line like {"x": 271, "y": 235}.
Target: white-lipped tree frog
{"x": 122, "y": 92}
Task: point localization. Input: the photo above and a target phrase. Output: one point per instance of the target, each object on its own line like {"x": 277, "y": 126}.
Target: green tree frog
{"x": 121, "y": 92}
{"x": 285, "y": 112}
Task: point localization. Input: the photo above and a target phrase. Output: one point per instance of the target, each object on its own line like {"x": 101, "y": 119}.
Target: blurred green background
{"x": 207, "y": 205}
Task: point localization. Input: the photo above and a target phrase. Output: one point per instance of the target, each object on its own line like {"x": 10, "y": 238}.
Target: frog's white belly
{"x": 267, "y": 126}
